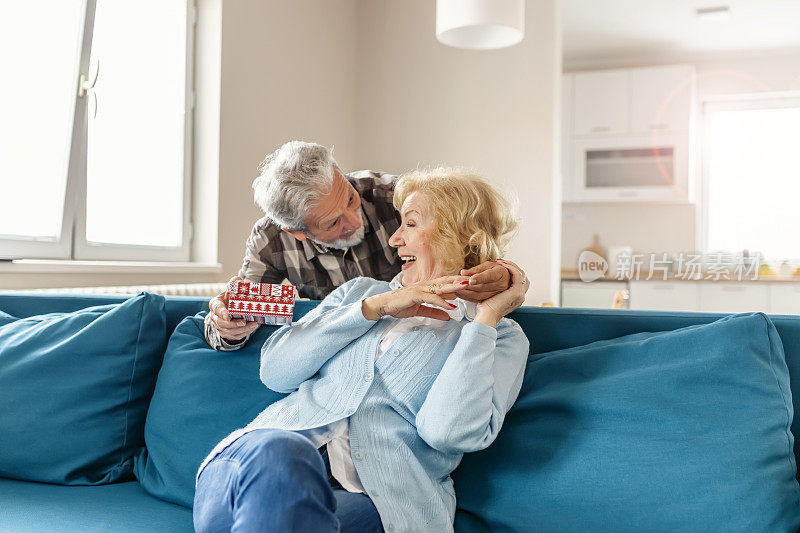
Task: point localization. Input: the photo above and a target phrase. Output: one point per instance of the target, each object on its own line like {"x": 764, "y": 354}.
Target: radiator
{"x": 187, "y": 289}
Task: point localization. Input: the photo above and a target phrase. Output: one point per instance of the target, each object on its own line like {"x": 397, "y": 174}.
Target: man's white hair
{"x": 292, "y": 181}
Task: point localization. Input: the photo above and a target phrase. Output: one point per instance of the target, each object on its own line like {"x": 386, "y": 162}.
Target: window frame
{"x": 71, "y": 244}
{"x": 735, "y": 102}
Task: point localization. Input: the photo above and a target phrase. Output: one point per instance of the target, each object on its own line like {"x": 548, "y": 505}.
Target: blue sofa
{"x": 126, "y": 507}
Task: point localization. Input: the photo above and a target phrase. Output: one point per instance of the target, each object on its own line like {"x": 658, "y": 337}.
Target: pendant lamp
{"x": 480, "y": 24}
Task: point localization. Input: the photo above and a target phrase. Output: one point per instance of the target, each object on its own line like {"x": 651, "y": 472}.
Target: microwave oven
{"x": 645, "y": 168}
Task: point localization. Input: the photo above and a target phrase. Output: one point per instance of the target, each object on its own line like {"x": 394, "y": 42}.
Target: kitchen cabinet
{"x": 628, "y": 135}
{"x": 734, "y": 297}
{"x": 664, "y": 295}
{"x": 661, "y": 99}
{"x": 777, "y": 297}
{"x": 601, "y": 102}
{"x": 632, "y": 101}
{"x": 595, "y": 294}
{"x": 784, "y": 298}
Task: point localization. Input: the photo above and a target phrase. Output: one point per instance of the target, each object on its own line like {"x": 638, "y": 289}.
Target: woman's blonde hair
{"x": 474, "y": 222}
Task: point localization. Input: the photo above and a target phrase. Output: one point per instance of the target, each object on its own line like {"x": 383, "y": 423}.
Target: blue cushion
{"x": 75, "y": 388}
{"x": 681, "y": 430}
{"x": 201, "y": 396}
{"x": 116, "y": 508}
{"x": 5, "y": 318}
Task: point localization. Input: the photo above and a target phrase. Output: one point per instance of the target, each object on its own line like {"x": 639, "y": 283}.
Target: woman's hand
{"x": 407, "y": 301}
{"x": 492, "y": 310}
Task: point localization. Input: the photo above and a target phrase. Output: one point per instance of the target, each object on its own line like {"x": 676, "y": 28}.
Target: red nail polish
{"x": 464, "y": 282}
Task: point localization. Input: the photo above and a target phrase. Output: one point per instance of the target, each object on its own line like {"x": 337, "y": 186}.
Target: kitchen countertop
{"x": 572, "y": 275}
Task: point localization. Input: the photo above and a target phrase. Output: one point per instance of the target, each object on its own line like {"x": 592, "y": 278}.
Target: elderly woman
{"x": 389, "y": 383}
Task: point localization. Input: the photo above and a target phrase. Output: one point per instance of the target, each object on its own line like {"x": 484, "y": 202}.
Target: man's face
{"x": 336, "y": 221}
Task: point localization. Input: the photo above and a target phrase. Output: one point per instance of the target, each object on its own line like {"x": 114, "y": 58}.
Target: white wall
{"x": 421, "y": 103}
{"x": 663, "y": 228}
{"x": 288, "y": 72}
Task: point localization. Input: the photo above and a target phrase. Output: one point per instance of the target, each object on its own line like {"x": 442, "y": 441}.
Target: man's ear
{"x": 299, "y": 235}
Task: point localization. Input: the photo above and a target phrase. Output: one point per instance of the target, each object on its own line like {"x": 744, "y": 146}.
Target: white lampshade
{"x": 480, "y": 24}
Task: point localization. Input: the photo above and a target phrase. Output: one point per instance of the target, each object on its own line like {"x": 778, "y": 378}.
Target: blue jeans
{"x": 275, "y": 480}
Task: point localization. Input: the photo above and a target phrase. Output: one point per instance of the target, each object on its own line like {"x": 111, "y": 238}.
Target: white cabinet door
{"x": 597, "y": 294}
{"x": 733, "y": 297}
{"x": 661, "y": 99}
{"x": 601, "y": 102}
{"x": 665, "y": 295}
{"x": 784, "y": 298}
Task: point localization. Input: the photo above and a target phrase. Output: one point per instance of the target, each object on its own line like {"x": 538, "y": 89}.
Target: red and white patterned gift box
{"x": 265, "y": 303}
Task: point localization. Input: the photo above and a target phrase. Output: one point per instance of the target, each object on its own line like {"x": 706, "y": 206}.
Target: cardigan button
{"x": 395, "y": 352}
{"x": 357, "y": 455}
{"x": 367, "y": 378}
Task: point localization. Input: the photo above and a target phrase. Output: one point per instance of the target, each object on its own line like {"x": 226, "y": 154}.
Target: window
{"x": 95, "y": 125}
{"x": 752, "y": 176}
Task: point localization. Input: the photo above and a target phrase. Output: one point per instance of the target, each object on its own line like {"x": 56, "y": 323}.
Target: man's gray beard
{"x": 344, "y": 244}
{"x": 347, "y": 242}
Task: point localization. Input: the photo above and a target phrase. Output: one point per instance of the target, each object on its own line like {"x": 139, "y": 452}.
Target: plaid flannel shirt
{"x": 273, "y": 255}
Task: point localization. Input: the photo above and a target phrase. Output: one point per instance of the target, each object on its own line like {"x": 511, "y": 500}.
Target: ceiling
{"x": 629, "y": 31}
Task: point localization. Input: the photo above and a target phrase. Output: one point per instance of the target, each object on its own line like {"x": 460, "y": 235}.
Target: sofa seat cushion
{"x": 29, "y": 507}
{"x": 684, "y": 430}
{"x": 74, "y": 390}
{"x": 201, "y": 396}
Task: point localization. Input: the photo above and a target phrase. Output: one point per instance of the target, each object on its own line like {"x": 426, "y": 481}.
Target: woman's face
{"x": 412, "y": 240}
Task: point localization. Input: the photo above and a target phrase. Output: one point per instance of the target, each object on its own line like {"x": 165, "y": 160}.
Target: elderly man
{"x": 321, "y": 228}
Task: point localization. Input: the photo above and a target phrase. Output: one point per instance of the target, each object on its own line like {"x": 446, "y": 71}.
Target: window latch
{"x": 85, "y": 87}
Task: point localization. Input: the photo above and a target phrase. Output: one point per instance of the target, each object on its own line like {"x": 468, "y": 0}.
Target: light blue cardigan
{"x": 436, "y": 394}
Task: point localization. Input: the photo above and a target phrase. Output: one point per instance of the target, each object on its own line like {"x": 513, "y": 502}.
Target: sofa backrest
{"x": 547, "y": 328}
{"x": 22, "y": 304}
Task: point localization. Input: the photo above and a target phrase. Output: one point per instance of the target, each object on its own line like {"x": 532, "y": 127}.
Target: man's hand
{"x": 488, "y": 279}
{"x": 229, "y": 329}
{"x": 492, "y": 310}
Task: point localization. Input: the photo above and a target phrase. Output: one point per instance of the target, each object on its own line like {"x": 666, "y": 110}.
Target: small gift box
{"x": 265, "y": 303}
